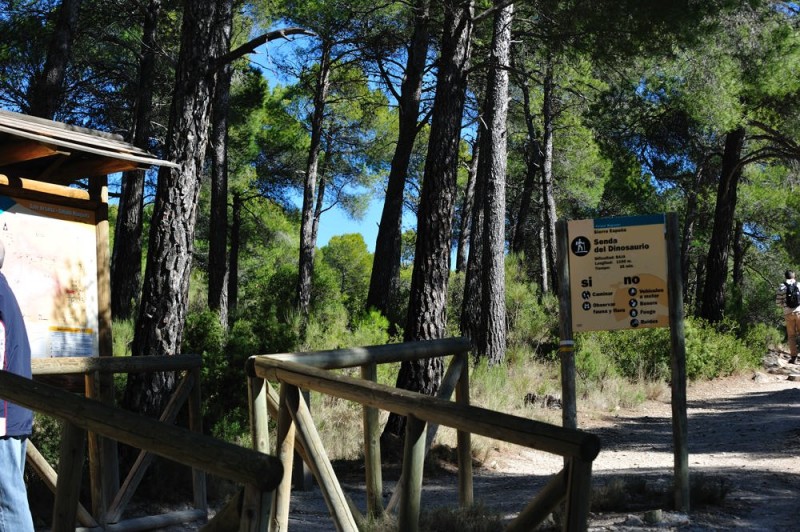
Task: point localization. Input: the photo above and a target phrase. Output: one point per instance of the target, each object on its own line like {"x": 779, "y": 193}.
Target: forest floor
{"x": 744, "y": 441}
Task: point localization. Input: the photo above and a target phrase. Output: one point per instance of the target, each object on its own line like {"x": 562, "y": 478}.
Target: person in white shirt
{"x": 788, "y": 298}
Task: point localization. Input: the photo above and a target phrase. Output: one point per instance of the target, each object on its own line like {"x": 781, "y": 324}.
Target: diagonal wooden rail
{"x": 259, "y": 471}
{"x": 309, "y": 372}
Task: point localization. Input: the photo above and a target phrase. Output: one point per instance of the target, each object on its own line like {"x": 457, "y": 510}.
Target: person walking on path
{"x": 16, "y": 423}
{"x": 788, "y": 298}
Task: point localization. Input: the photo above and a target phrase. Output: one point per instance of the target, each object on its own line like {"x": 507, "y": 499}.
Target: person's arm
{"x": 3, "y": 402}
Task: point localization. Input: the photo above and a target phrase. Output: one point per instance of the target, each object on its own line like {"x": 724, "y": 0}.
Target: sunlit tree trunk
{"x": 492, "y": 340}
{"x": 462, "y": 251}
{"x": 162, "y": 313}
{"x": 126, "y": 258}
{"x": 307, "y": 229}
{"x": 548, "y": 189}
{"x": 427, "y": 306}
{"x": 383, "y": 284}
{"x": 233, "y": 256}
{"x": 716, "y": 272}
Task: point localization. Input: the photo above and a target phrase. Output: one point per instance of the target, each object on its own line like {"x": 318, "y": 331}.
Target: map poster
{"x": 618, "y": 273}
{"x": 51, "y": 264}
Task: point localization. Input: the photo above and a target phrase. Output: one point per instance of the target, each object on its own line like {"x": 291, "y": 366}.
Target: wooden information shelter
{"x": 56, "y": 234}
{"x": 54, "y": 224}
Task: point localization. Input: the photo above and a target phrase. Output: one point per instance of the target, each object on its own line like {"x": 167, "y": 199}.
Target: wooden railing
{"x": 260, "y": 472}
{"x": 295, "y": 427}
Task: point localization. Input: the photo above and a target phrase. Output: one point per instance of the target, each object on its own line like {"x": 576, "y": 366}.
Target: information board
{"x": 618, "y": 273}
{"x": 51, "y": 264}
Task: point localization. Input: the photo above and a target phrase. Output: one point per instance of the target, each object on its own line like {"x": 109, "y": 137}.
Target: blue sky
{"x": 335, "y": 222}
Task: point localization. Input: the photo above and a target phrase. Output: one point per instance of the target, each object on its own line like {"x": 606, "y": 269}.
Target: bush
{"x": 711, "y": 351}
{"x": 633, "y": 354}
{"x": 532, "y": 316}
{"x": 716, "y": 351}
{"x": 224, "y": 385}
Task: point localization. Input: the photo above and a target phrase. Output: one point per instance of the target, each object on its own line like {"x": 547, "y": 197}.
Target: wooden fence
{"x": 106, "y": 424}
{"x": 295, "y": 427}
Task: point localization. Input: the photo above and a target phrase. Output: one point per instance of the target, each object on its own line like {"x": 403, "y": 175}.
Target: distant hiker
{"x": 788, "y": 299}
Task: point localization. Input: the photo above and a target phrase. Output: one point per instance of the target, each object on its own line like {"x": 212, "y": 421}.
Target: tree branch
{"x": 251, "y": 45}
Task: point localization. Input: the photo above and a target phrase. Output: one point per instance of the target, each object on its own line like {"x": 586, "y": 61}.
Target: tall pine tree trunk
{"x": 427, "y": 305}
{"x": 716, "y": 271}
{"x": 46, "y": 92}
{"x": 462, "y": 251}
{"x": 472, "y": 301}
{"x": 307, "y": 229}
{"x": 493, "y": 320}
{"x": 690, "y": 219}
{"x": 383, "y": 283}
{"x": 126, "y": 261}
{"x": 548, "y": 189}
{"x": 218, "y": 223}
{"x": 162, "y": 314}
{"x": 533, "y": 164}
{"x": 233, "y": 256}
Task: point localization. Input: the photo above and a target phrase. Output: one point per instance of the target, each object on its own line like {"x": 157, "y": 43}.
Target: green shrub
{"x": 532, "y": 317}
{"x": 711, "y": 351}
{"x": 122, "y": 337}
{"x": 716, "y": 351}
{"x": 633, "y": 354}
{"x": 760, "y": 337}
{"x": 371, "y": 328}
{"x": 224, "y": 382}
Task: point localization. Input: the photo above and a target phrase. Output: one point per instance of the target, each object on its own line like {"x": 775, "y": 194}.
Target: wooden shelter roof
{"x": 55, "y": 152}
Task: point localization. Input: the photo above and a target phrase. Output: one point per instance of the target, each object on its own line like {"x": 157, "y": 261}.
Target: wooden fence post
{"x": 464, "y": 438}
{"x": 199, "y": 487}
{"x": 68, "y": 487}
{"x": 256, "y": 503}
{"x": 372, "y": 449}
{"x": 413, "y": 462}
{"x": 678, "y": 364}
{"x": 285, "y": 451}
{"x": 579, "y": 491}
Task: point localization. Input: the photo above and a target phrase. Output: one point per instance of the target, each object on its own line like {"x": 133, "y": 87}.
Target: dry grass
{"x": 529, "y": 390}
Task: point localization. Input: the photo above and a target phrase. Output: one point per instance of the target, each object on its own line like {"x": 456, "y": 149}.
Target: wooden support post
{"x": 68, "y": 488}
{"x": 95, "y": 449}
{"x": 680, "y": 431}
{"x": 449, "y": 383}
{"x": 539, "y": 508}
{"x": 569, "y": 415}
{"x": 285, "y": 451}
{"x": 413, "y": 462}
{"x": 49, "y": 476}
{"x": 319, "y": 464}
{"x": 199, "y": 487}
{"x": 256, "y": 503}
{"x": 302, "y": 478}
{"x": 108, "y": 449}
{"x": 372, "y": 449}
{"x": 464, "y": 438}
{"x": 259, "y": 414}
{"x": 579, "y": 492}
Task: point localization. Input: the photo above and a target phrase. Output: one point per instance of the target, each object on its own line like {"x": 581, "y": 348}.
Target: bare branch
{"x": 250, "y": 46}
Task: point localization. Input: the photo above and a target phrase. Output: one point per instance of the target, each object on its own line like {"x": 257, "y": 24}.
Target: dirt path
{"x": 744, "y": 435}
{"x": 743, "y": 431}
